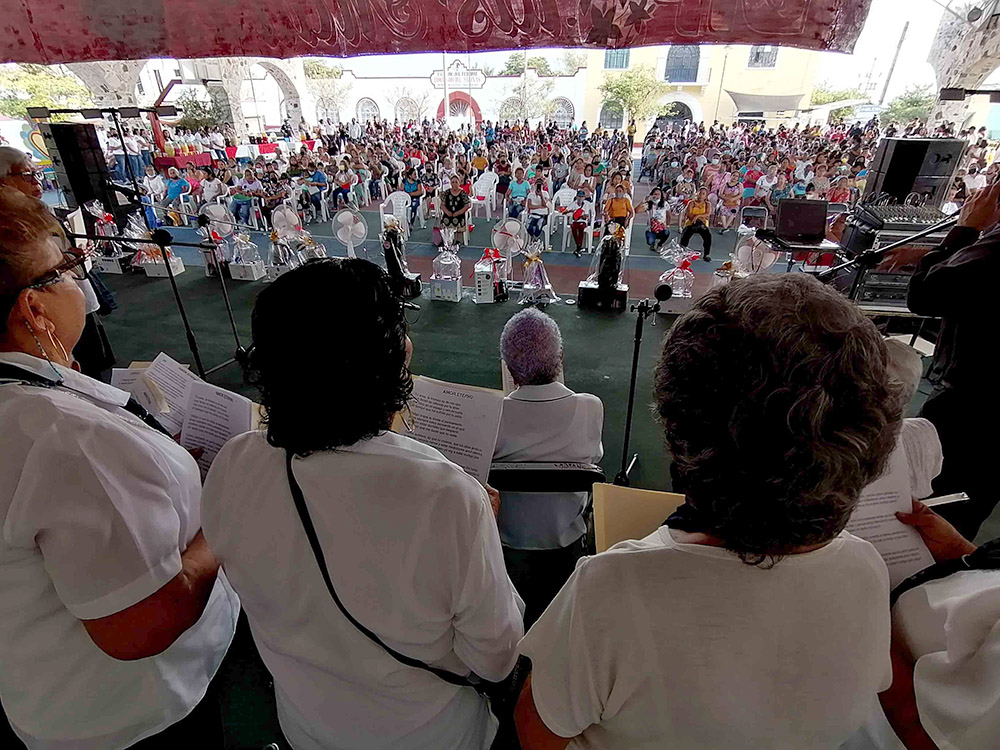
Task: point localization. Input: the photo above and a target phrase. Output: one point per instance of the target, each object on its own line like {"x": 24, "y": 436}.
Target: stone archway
{"x": 284, "y": 74}
{"x": 457, "y": 99}
{"x": 963, "y": 57}
{"x": 112, "y": 84}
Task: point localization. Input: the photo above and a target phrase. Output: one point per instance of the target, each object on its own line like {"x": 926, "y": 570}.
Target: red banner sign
{"x": 57, "y": 31}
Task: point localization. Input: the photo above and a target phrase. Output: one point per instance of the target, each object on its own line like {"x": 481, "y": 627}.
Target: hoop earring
{"x": 410, "y": 424}
{"x": 56, "y": 343}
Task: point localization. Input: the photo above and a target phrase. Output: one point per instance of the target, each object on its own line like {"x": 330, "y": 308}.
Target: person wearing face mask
{"x": 618, "y": 208}
{"x": 113, "y": 618}
{"x": 728, "y": 204}
{"x": 94, "y": 351}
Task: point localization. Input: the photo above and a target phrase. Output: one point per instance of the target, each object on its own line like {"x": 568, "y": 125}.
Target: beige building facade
{"x": 709, "y": 83}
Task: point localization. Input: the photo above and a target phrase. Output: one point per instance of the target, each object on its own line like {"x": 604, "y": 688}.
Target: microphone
{"x": 663, "y": 292}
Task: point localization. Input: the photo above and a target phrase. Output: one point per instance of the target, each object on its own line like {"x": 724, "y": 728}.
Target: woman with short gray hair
{"x": 751, "y": 619}
{"x": 543, "y": 534}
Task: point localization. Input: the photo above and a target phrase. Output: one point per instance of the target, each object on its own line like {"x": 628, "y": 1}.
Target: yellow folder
{"x": 622, "y": 513}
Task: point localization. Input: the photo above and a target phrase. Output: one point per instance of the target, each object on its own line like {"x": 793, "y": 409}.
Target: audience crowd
{"x": 397, "y": 602}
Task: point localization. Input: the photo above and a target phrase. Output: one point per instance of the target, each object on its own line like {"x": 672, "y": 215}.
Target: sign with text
{"x": 459, "y": 77}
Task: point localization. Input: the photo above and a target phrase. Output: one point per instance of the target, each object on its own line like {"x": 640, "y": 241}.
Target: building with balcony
{"x": 708, "y": 83}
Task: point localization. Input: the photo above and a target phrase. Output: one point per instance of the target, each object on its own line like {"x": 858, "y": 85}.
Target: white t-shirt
{"x": 212, "y": 189}
{"x": 951, "y": 627}
{"x": 975, "y": 181}
{"x": 413, "y": 551}
{"x": 96, "y": 509}
{"x": 217, "y": 140}
{"x": 659, "y": 644}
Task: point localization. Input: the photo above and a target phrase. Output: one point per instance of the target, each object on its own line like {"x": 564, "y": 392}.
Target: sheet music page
{"x": 874, "y": 520}
{"x": 213, "y": 416}
{"x": 461, "y": 421}
{"x": 174, "y": 381}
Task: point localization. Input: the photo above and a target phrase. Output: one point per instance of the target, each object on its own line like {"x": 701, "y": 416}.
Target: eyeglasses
{"x": 31, "y": 174}
{"x": 74, "y": 264}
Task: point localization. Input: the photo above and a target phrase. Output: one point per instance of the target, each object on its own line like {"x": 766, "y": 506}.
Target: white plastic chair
{"x": 431, "y": 208}
{"x": 187, "y": 204}
{"x": 397, "y": 205}
{"x": 563, "y": 198}
{"x": 483, "y": 196}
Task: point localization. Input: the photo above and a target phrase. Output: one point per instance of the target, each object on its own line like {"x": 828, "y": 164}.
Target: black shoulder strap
{"x": 307, "y": 524}
{"x": 12, "y": 375}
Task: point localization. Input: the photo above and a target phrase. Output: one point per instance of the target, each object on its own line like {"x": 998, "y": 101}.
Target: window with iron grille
{"x": 616, "y": 59}
{"x": 612, "y": 116}
{"x": 763, "y": 56}
{"x": 682, "y": 63}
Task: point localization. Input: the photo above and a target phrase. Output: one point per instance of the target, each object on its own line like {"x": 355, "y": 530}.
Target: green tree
{"x": 28, "y": 85}
{"x": 529, "y": 99}
{"x": 201, "y": 113}
{"x": 915, "y": 103}
{"x": 319, "y": 69}
{"x": 637, "y": 91}
{"x": 515, "y": 65}
{"x": 572, "y": 60}
{"x": 825, "y": 93}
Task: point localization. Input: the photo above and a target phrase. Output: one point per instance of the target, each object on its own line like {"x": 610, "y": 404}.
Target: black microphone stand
{"x": 163, "y": 239}
{"x": 240, "y": 354}
{"x": 643, "y": 310}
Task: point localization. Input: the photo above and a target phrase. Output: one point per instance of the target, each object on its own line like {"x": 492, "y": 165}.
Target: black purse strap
{"x": 12, "y": 375}
{"x": 307, "y": 524}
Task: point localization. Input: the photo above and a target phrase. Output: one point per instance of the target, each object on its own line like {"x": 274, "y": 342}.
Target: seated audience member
{"x": 113, "y": 620}
{"x": 409, "y": 539}
{"x": 543, "y": 420}
{"x": 918, "y": 437}
{"x": 751, "y": 619}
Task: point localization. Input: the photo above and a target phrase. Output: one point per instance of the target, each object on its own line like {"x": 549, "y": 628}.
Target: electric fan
{"x": 753, "y": 256}
{"x": 510, "y": 237}
{"x": 350, "y": 229}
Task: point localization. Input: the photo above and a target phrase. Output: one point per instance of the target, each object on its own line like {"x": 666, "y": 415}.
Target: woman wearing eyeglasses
{"x": 17, "y": 171}
{"x": 113, "y": 616}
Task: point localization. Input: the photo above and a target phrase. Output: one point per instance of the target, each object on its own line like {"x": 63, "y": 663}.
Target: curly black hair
{"x": 329, "y": 355}
{"x": 776, "y": 403}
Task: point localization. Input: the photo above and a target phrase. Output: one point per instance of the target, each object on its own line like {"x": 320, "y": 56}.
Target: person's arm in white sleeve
{"x": 488, "y": 618}
{"x": 98, "y": 503}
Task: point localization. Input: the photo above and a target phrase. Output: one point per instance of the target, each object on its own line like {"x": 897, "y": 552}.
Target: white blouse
{"x": 96, "y": 509}
{"x": 413, "y": 550}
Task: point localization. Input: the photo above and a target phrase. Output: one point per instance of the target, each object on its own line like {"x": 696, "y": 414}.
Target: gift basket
{"x": 537, "y": 289}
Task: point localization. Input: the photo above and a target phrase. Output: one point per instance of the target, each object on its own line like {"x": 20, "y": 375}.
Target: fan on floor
{"x": 285, "y": 221}
{"x": 753, "y": 256}
{"x": 510, "y": 237}
{"x": 350, "y": 229}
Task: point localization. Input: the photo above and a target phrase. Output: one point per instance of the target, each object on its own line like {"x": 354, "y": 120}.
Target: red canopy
{"x": 58, "y": 31}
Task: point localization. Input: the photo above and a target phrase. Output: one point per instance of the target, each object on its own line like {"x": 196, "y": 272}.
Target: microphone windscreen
{"x": 663, "y": 292}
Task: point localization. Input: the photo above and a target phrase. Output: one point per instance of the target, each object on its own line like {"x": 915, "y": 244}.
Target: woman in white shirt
{"x": 211, "y": 186}
{"x": 750, "y": 620}
{"x": 410, "y": 540}
{"x": 113, "y": 619}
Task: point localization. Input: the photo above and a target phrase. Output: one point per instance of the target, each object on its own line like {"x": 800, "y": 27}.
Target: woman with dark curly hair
{"x": 410, "y": 541}
{"x": 751, "y": 619}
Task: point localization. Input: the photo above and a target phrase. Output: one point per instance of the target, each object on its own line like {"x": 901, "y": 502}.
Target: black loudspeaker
{"x": 914, "y": 165}
{"x": 81, "y": 168}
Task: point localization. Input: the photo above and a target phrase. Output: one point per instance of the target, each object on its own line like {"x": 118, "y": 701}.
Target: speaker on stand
{"x": 81, "y": 169}
{"x": 926, "y": 166}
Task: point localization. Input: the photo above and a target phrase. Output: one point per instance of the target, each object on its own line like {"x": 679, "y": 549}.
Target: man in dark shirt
{"x": 957, "y": 282}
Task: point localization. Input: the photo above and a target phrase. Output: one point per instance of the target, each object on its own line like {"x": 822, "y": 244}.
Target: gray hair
{"x": 531, "y": 346}
{"x": 10, "y": 157}
{"x": 906, "y": 367}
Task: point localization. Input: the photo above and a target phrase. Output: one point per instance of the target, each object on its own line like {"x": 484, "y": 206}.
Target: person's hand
{"x": 941, "y": 538}
{"x": 982, "y": 210}
{"x": 494, "y": 499}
